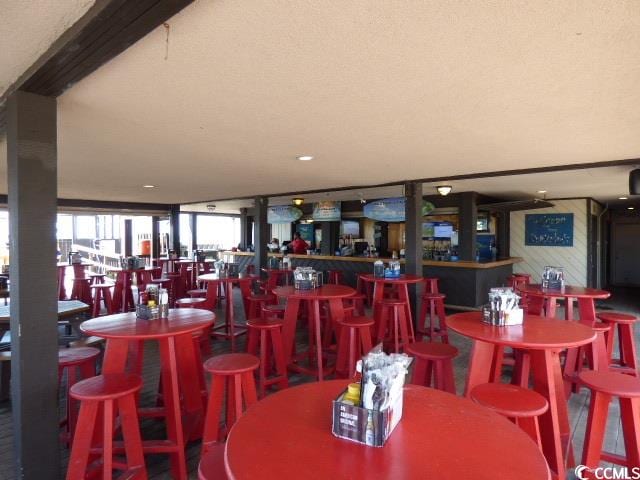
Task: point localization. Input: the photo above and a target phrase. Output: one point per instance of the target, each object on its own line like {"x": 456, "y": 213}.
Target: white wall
{"x": 572, "y": 259}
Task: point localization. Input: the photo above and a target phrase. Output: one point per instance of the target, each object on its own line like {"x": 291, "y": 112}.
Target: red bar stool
{"x": 433, "y": 365}
{"x": 356, "y": 301}
{"x": 273, "y": 311}
{"x": 335, "y": 277}
{"x": 255, "y": 304}
{"x": 101, "y": 294}
{"x": 604, "y": 386}
{"x": 211, "y": 464}
{"x": 433, "y": 309}
{"x": 623, "y": 323}
{"x": 401, "y": 330}
{"x": 594, "y": 353}
{"x": 431, "y": 285}
{"x": 122, "y": 294}
{"x": 521, "y": 406}
{"x": 143, "y": 278}
{"x": 113, "y": 394}
{"x": 97, "y": 278}
{"x": 365, "y": 288}
{"x": 355, "y": 342}
{"x": 197, "y": 293}
{"x": 264, "y": 340}
{"x": 235, "y": 370}
{"x": 81, "y": 290}
{"x": 79, "y": 363}
{"x": 177, "y": 288}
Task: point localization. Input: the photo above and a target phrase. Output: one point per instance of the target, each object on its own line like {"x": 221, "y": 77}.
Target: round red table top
{"x": 536, "y": 333}
{"x": 324, "y": 292}
{"x": 214, "y": 277}
{"x": 404, "y": 278}
{"x": 440, "y": 436}
{"x": 126, "y": 325}
{"x": 568, "y": 292}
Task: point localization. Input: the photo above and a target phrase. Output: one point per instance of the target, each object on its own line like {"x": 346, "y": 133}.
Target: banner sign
{"x": 392, "y": 209}
{"x": 327, "y": 211}
{"x": 283, "y": 214}
{"x": 549, "y": 230}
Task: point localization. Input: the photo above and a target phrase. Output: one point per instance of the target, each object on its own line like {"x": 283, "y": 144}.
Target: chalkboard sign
{"x": 549, "y": 229}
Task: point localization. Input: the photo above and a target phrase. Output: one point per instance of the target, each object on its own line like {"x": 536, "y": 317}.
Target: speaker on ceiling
{"x": 634, "y": 182}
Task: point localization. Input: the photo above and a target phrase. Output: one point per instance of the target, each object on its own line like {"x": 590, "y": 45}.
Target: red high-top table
{"x": 243, "y": 280}
{"x": 543, "y": 338}
{"x": 332, "y": 294}
{"x": 278, "y": 276}
{"x": 401, "y": 286}
{"x": 586, "y": 300}
{"x": 440, "y": 436}
{"x": 183, "y": 408}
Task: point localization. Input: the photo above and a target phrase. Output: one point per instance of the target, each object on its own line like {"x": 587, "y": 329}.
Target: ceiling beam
{"x": 107, "y": 29}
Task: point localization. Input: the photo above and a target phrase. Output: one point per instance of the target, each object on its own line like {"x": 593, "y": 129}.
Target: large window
{"x": 217, "y": 232}
{"x": 86, "y": 227}
{"x": 185, "y": 233}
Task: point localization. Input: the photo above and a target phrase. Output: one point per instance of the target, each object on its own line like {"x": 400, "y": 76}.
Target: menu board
{"x": 549, "y": 229}
{"x": 327, "y": 211}
{"x": 437, "y": 230}
{"x": 283, "y": 214}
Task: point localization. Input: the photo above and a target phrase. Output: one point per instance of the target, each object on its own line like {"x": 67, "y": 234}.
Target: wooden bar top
{"x": 427, "y": 263}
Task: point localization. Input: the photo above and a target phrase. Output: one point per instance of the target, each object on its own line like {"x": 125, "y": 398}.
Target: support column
{"x": 260, "y": 234}
{"x": 174, "y": 221}
{"x": 32, "y": 186}
{"x": 193, "y": 222}
{"x": 243, "y": 228}
{"x": 413, "y": 240}
{"x": 504, "y": 235}
{"x": 468, "y": 218}
{"x": 330, "y": 233}
{"x": 155, "y": 237}
{"x": 128, "y": 238}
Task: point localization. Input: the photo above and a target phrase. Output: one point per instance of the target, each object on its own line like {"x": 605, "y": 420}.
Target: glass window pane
{"x": 85, "y": 227}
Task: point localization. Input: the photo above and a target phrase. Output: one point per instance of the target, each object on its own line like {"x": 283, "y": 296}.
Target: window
{"x": 85, "y": 227}
{"x": 217, "y": 232}
{"x": 185, "y": 233}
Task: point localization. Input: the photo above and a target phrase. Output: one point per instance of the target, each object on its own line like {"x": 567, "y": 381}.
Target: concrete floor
{"x": 622, "y": 300}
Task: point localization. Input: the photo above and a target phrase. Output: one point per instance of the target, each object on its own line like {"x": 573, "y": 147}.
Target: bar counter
{"x": 465, "y": 283}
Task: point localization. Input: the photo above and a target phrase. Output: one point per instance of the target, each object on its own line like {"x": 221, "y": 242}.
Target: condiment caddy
{"x": 503, "y": 308}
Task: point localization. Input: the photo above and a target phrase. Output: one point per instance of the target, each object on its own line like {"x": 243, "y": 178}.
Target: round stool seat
{"x": 274, "y": 308}
{"x": 612, "y": 383}
{"x": 429, "y": 296}
{"x": 616, "y": 317}
{"x": 357, "y": 322}
{"x": 101, "y": 286}
{"x": 74, "y": 356}
{"x": 197, "y": 292}
{"x": 431, "y": 350}
{"x": 189, "y": 302}
{"x": 106, "y": 387}
{"x": 510, "y": 400}
{"x": 601, "y": 327}
{"x": 392, "y": 302}
{"x": 231, "y": 363}
{"x": 212, "y": 463}
{"x": 161, "y": 281}
{"x": 264, "y": 323}
{"x": 99, "y": 276}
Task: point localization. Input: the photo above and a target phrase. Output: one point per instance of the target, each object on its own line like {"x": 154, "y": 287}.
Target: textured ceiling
{"x": 377, "y": 91}
{"x": 28, "y": 28}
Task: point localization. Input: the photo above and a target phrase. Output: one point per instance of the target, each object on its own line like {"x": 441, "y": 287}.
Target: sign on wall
{"x": 327, "y": 211}
{"x": 391, "y": 209}
{"x": 548, "y": 229}
{"x": 283, "y": 214}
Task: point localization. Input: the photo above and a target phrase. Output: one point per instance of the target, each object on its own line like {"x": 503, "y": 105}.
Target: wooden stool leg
{"x": 449, "y": 383}
{"x": 131, "y": 435}
{"x": 521, "y": 369}
{"x": 531, "y": 427}
{"x": 596, "y": 424}
{"x": 352, "y": 352}
{"x": 212, "y": 432}
{"x": 405, "y": 331}
{"x": 278, "y": 353}
{"x": 422, "y": 322}
{"x": 365, "y": 340}
{"x": 263, "y": 369}
{"x": 419, "y": 372}
{"x": 630, "y": 416}
{"x": 82, "y": 441}
{"x": 628, "y": 356}
{"x": 248, "y": 389}
{"x": 107, "y": 440}
{"x": 432, "y": 319}
{"x": 96, "y": 303}
{"x": 108, "y": 302}
{"x": 442, "y": 321}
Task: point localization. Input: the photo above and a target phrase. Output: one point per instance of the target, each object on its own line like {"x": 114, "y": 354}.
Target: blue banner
{"x": 327, "y": 211}
{"x": 283, "y": 214}
{"x": 549, "y": 229}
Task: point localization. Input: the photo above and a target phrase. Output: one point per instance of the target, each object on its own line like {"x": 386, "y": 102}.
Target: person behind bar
{"x": 299, "y": 246}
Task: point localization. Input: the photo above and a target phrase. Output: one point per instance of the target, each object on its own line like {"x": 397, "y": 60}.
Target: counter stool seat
{"x": 255, "y": 302}
{"x": 357, "y": 302}
{"x": 265, "y": 340}
{"x": 97, "y": 278}
{"x": 273, "y": 311}
{"x": 509, "y": 400}
{"x": 101, "y": 295}
{"x": 190, "y": 302}
{"x": 433, "y": 365}
{"x": 112, "y": 394}
{"x": 235, "y": 372}
{"x": 353, "y": 344}
{"x": 433, "y": 310}
{"x": 594, "y": 353}
{"x": 605, "y": 385}
{"x": 623, "y": 323}
{"x": 211, "y": 465}
{"x": 394, "y": 327}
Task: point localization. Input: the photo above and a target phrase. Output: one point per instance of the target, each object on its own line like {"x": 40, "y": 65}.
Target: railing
{"x": 100, "y": 259}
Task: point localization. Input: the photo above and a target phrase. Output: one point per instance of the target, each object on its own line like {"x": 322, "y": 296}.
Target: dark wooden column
{"x": 504, "y": 235}
{"x": 155, "y": 237}
{"x": 32, "y": 185}
{"x": 468, "y": 218}
{"x": 260, "y": 233}
{"x": 193, "y": 222}
{"x": 413, "y": 239}
{"x": 330, "y": 233}
{"x": 128, "y": 238}
{"x": 174, "y": 221}
{"x": 243, "y": 228}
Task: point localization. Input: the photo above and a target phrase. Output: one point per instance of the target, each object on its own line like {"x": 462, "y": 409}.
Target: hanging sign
{"x": 283, "y": 214}
{"x": 392, "y": 209}
{"x": 327, "y": 211}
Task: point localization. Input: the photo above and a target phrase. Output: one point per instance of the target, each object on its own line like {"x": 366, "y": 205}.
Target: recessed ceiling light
{"x": 305, "y": 158}
{"x": 541, "y": 191}
{"x": 444, "y": 190}
{"x": 148, "y": 186}
{"x": 631, "y": 208}
{"x": 622, "y": 198}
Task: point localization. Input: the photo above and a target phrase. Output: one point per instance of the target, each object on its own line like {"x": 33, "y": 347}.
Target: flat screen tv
{"x": 350, "y": 227}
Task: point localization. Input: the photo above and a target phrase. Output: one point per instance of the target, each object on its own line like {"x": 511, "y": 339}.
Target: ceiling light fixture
{"x": 622, "y": 198}
{"x": 298, "y": 201}
{"x": 148, "y": 186}
{"x": 631, "y": 208}
{"x": 211, "y": 207}
{"x": 444, "y": 190}
{"x": 542, "y": 192}
{"x": 305, "y": 158}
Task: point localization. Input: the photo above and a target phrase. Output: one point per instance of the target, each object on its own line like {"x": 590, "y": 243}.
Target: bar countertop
{"x": 427, "y": 263}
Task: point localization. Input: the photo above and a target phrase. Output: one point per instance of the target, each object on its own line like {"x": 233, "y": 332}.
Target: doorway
{"x": 625, "y": 254}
